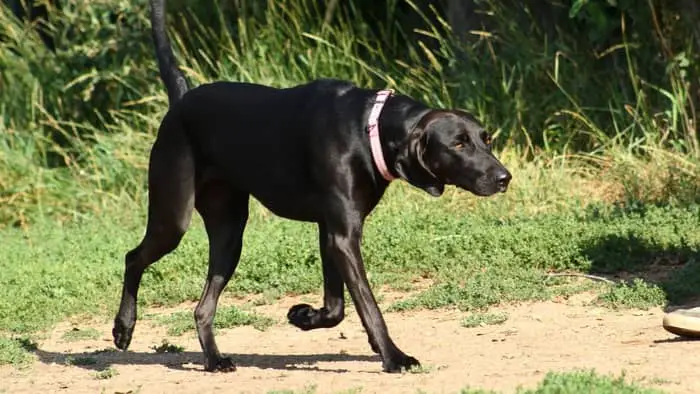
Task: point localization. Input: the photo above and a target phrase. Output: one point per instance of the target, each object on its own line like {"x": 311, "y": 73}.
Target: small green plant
{"x": 167, "y": 347}
{"x": 226, "y": 317}
{"x": 421, "y": 369}
{"x": 480, "y": 319}
{"x": 658, "y": 381}
{"x": 106, "y": 373}
{"x": 77, "y": 334}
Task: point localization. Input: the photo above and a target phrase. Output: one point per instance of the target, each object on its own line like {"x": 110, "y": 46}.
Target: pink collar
{"x": 373, "y": 129}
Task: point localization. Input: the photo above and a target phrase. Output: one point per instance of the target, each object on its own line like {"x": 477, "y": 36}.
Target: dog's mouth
{"x": 481, "y": 192}
{"x": 475, "y": 189}
{"x": 486, "y": 186}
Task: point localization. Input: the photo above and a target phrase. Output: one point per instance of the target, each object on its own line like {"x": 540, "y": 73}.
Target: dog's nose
{"x": 502, "y": 180}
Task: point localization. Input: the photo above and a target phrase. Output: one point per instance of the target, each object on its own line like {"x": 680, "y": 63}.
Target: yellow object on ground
{"x": 683, "y": 322}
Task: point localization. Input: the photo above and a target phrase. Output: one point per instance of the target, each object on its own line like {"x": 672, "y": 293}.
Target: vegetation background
{"x": 607, "y": 84}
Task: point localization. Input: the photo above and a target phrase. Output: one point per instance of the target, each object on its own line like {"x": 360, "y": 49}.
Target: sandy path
{"x": 536, "y": 338}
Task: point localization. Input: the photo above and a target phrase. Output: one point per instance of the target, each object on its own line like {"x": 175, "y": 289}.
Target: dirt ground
{"x": 537, "y": 338}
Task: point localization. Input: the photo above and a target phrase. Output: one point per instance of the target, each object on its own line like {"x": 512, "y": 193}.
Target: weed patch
{"x": 167, "y": 347}
{"x": 576, "y": 382}
{"x": 16, "y": 351}
{"x": 638, "y": 294}
{"x": 484, "y": 319}
{"x": 587, "y": 382}
{"x": 226, "y": 317}
{"x": 107, "y": 373}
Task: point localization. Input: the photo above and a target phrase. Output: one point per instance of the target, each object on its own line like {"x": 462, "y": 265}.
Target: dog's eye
{"x": 458, "y": 146}
{"x": 487, "y": 139}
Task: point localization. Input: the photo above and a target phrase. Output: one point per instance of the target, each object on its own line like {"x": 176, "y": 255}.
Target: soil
{"x": 560, "y": 335}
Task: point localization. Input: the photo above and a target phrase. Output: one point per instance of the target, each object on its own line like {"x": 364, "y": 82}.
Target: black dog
{"x": 305, "y": 154}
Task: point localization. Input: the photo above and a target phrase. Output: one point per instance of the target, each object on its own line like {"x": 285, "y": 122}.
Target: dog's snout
{"x": 503, "y": 179}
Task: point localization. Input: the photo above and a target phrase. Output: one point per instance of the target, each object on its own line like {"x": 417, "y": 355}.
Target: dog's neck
{"x": 397, "y": 122}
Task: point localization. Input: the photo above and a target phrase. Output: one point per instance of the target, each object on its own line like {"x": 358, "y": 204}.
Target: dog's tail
{"x": 175, "y": 82}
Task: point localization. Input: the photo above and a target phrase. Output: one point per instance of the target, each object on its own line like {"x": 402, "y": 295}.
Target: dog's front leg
{"x": 307, "y": 317}
{"x": 343, "y": 248}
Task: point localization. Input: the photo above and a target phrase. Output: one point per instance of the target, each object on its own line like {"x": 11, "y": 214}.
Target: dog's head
{"x": 451, "y": 148}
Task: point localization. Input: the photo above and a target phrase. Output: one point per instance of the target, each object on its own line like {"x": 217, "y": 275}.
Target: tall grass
{"x": 613, "y": 120}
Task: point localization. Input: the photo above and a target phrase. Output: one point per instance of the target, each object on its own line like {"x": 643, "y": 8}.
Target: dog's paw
{"x": 220, "y": 364}
{"x": 302, "y": 316}
{"x": 400, "y": 364}
{"x": 306, "y": 317}
{"x": 122, "y": 334}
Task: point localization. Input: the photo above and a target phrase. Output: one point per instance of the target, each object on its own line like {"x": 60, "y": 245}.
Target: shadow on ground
{"x": 192, "y": 361}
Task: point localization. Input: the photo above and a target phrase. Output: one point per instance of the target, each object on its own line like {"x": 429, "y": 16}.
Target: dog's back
{"x": 268, "y": 135}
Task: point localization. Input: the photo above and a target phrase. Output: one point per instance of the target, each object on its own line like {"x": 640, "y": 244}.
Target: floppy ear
{"x": 411, "y": 165}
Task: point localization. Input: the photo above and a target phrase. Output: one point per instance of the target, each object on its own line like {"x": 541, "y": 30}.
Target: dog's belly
{"x": 290, "y": 197}
{"x": 280, "y": 175}
{"x": 290, "y": 205}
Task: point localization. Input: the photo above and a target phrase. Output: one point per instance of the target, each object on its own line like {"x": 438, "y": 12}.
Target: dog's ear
{"x": 411, "y": 162}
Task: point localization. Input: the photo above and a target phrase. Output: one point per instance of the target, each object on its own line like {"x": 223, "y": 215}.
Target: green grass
{"x": 638, "y": 294}
{"x": 587, "y": 382}
{"x": 579, "y": 382}
{"x": 509, "y": 258}
{"x": 16, "y": 351}
{"x": 476, "y": 258}
{"x": 179, "y": 323}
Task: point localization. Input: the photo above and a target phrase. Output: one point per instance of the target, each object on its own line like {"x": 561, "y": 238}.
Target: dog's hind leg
{"x": 225, "y": 213}
{"x": 170, "y": 204}
{"x": 332, "y": 313}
